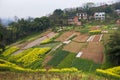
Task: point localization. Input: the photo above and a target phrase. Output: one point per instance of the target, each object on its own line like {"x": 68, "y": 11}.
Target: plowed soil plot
{"x": 81, "y": 38}
{"x": 74, "y": 47}
{"x": 48, "y": 58}
{"x": 96, "y": 38}
{"x": 94, "y": 52}
{"x": 65, "y": 36}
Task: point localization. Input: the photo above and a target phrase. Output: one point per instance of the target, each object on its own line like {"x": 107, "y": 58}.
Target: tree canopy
{"x": 113, "y": 48}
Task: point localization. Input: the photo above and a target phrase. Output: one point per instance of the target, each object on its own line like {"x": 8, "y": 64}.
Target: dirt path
{"x": 36, "y": 42}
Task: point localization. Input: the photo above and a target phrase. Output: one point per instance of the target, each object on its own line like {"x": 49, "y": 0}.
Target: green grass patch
{"x": 85, "y": 65}
{"x": 84, "y": 31}
{"x": 65, "y": 63}
{"x": 59, "y": 55}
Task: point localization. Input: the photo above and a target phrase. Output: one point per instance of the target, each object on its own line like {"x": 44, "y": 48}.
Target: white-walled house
{"x": 118, "y": 11}
{"x": 99, "y": 16}
{"x": 82, "y": 15}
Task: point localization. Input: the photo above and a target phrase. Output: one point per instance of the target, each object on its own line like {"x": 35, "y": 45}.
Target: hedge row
{"x": 111, "y": 72}
{"x": 95, "y": 32}
{"x": 7, "y": 66}
{"x": 46, "y": 41}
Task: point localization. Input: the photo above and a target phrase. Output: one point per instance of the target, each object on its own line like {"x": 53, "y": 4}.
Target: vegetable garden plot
{"x": 81, "y": 38}
{"x": 47, "y": 58}
{"x": 74, "y": 47}
{"x": 94, "y": 51}
{"x": 97, "y": 38}
{"x": 57, "y": 58}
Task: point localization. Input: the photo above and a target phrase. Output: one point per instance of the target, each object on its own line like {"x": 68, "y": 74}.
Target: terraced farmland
{"x": 81, "y": 38}
{"x": 94, "y": 51}
{"x": 74, "y": 47}
{"x": 65, "y": 36}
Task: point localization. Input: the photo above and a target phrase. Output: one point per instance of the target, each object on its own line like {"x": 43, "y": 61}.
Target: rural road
{"x": 36, "y": 42}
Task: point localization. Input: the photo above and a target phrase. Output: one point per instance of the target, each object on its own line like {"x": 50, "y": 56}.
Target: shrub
{"x": 95, "y": 32}
{"x": 63, "y": 70}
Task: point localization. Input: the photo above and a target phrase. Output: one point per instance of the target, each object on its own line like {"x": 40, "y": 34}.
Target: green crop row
{"x": 57, "y": 58}
{"x": 32, "y": 56}
{"x": 9, "y": 51}
{"x": 21, "y": 54}
{"x": 85, "y": 65}
{"x": 7, "y": 66}
{"x": 67, "y": 61}
{"x": 111, "y": 72}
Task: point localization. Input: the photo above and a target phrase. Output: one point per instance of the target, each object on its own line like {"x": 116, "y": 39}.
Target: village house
{"x": 99, "y": 16}
{"x": 82, "y": 15}
{"x": 118, "y": 22}
{"x": 118, "y": 11}
{"x": 74, "y": 21}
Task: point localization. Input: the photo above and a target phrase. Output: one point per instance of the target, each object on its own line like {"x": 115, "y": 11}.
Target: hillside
{"x": 69, "y": 51}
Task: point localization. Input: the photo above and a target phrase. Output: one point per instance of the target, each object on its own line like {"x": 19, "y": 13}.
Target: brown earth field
{"x": 94, "y": 51}
{"x": 66, "y": 35}
{"x": 74, "y": 47}
{"x": 96, "y": 38}
{"x": 81, "y": 38}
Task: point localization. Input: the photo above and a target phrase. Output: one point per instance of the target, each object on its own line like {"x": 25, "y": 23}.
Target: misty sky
{"x": 38, "y": 8}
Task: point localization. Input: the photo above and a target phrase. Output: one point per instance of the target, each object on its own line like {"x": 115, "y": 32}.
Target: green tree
{"x": 2, "y": 44}
{"x": 113, "y": 48}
